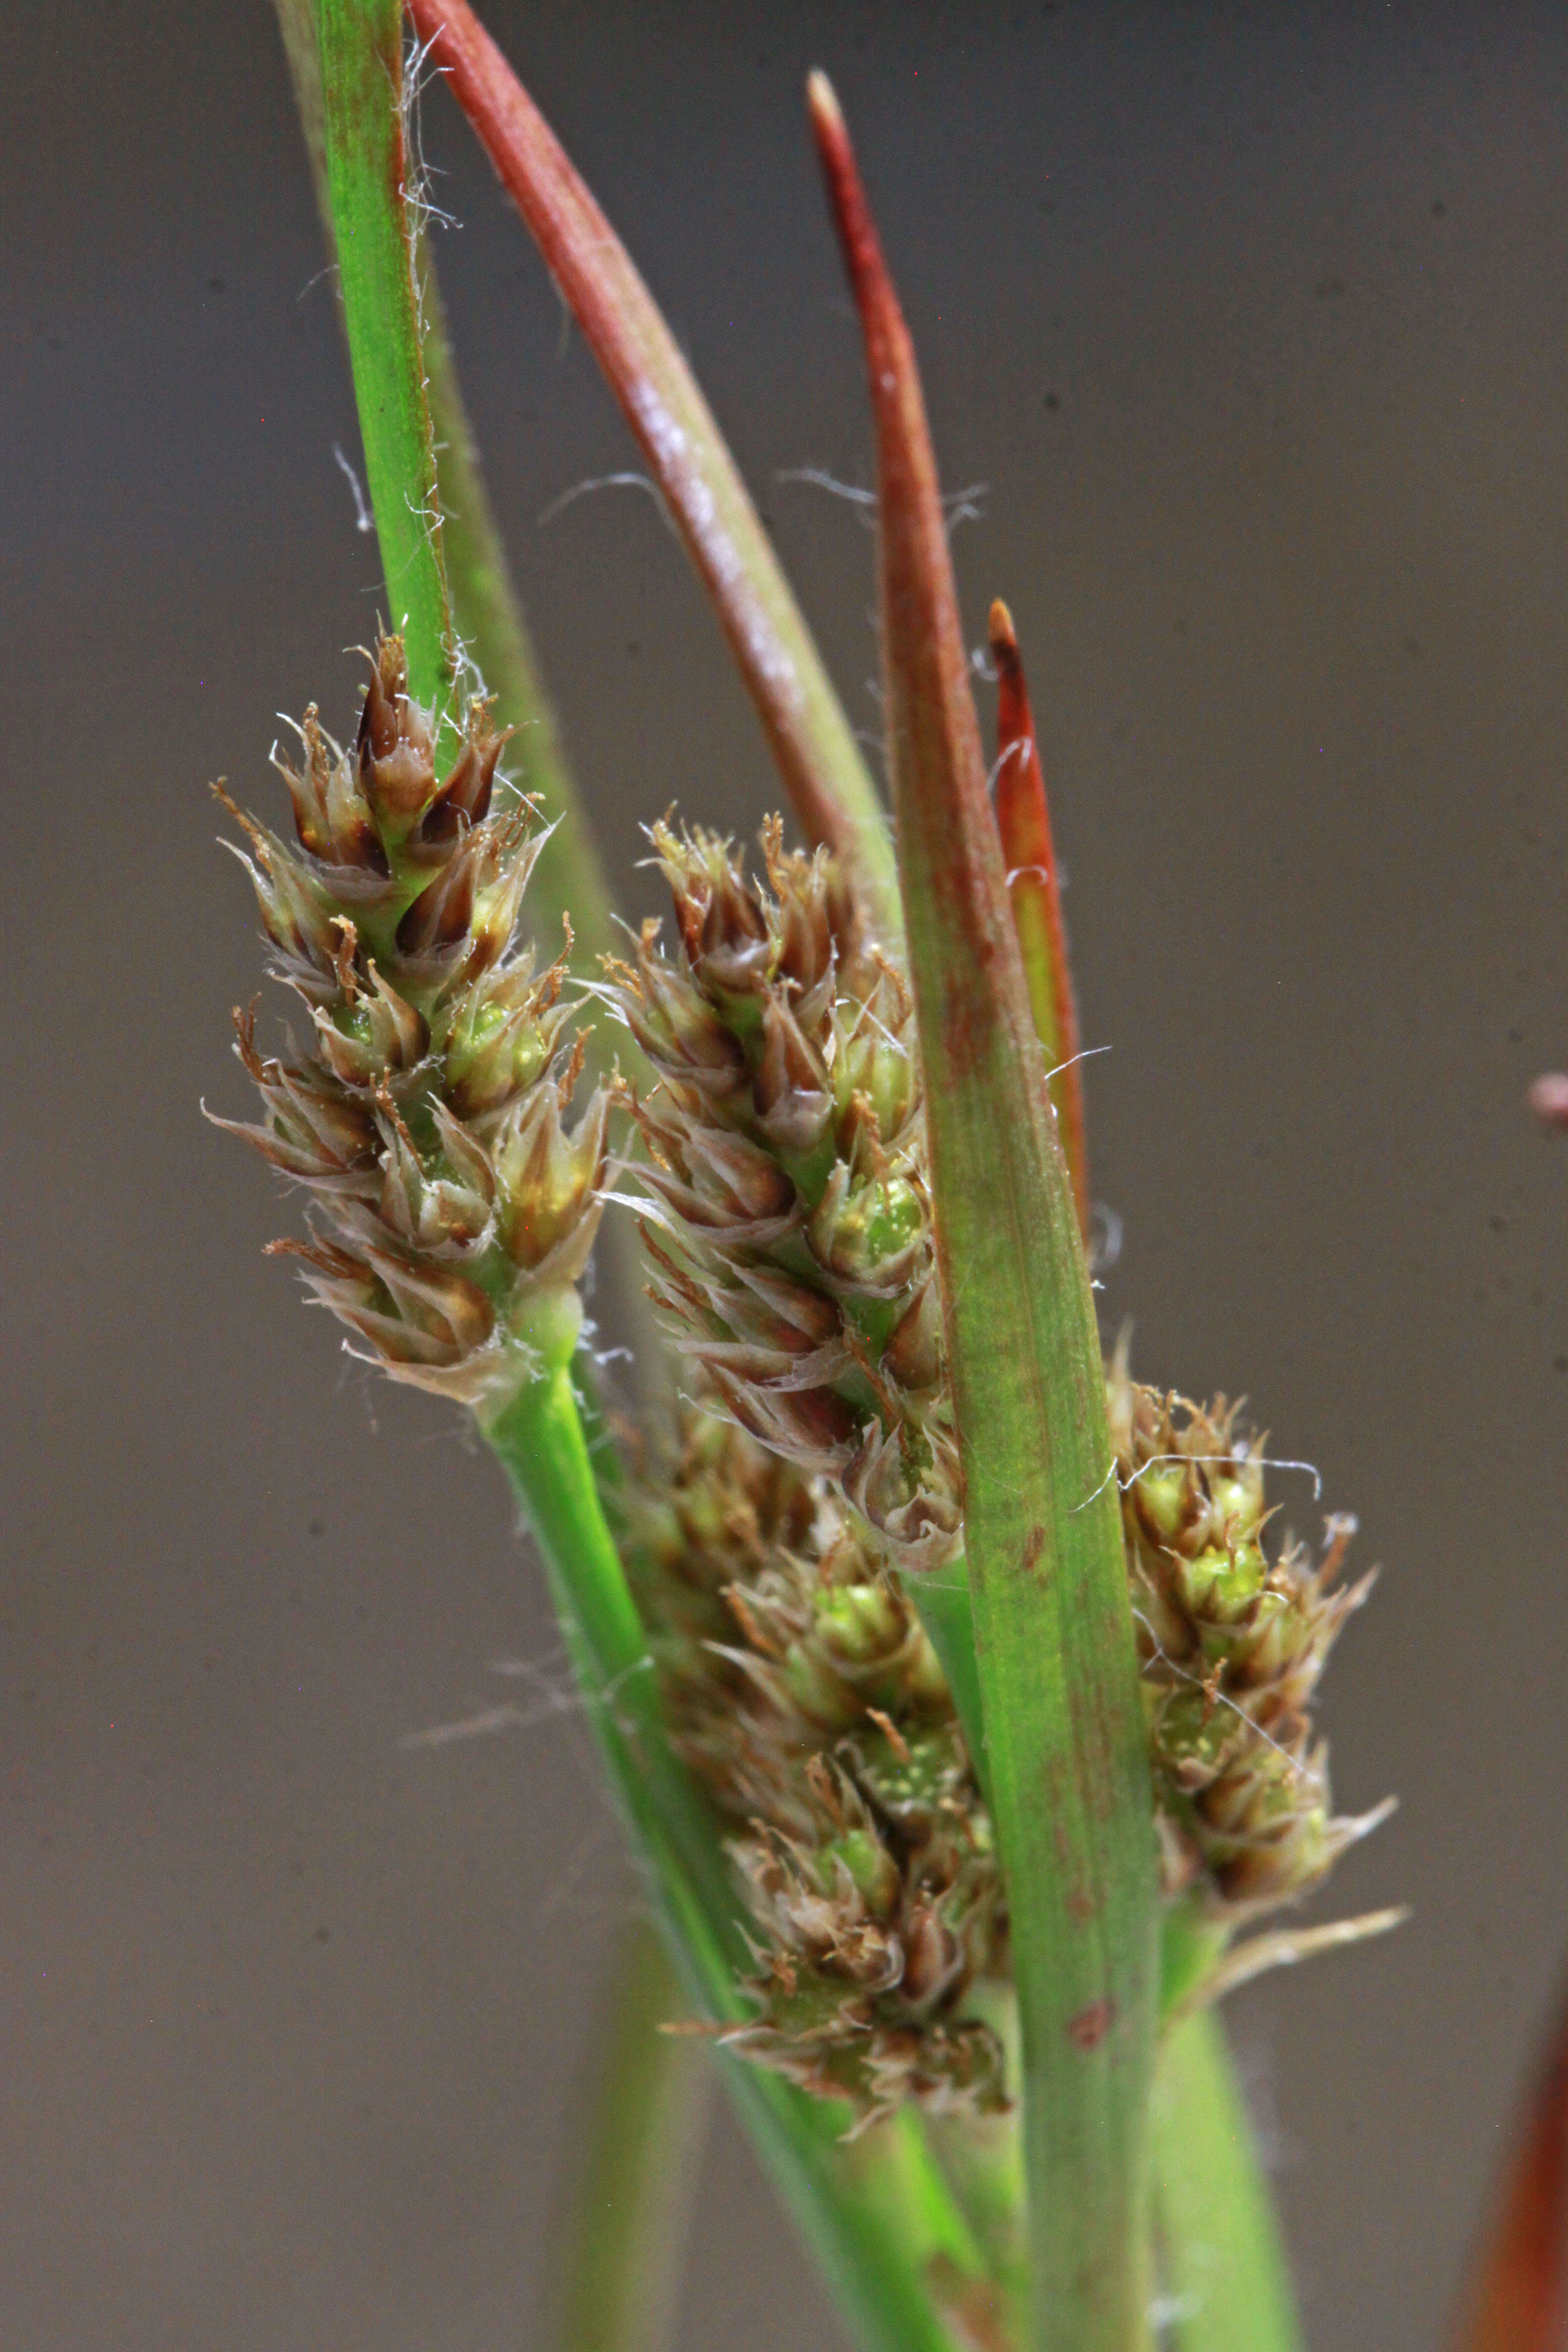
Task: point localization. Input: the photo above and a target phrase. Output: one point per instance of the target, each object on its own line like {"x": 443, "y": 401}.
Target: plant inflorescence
{"x": 954, "y": 1686}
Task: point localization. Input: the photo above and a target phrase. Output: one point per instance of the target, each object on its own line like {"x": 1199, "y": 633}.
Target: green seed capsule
{"x": 1220, "y": 1586}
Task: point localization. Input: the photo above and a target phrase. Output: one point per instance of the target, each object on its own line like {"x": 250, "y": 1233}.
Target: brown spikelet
{"x": 1233, "y": 1638}
{"x": 801, "y": 1686}
{"x": 785, "y": 1152}
{"x": 425, "y": 1110}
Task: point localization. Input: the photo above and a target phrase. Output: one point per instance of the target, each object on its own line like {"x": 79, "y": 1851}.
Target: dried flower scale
{"x": 788, "y": 1599}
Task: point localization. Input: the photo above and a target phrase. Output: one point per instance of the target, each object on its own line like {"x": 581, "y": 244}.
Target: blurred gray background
{"x": 1252, "y": 319}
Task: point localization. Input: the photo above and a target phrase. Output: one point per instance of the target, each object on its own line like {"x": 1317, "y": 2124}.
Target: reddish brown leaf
{"x": 817, "y": 756}
{"x": 1518, "y": 2300}
{"x": 1023, "y": 821}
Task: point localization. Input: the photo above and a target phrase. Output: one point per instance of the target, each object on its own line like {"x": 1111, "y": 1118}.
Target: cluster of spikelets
{"x": 793, "y": 1263}
{"x": 1231, "y": 1643}
{"x": 789, "y": 1230}
{"x": 451, "y": 1210}
{"x": 786, "y": 1158}
{"x": 801, "y": 1687}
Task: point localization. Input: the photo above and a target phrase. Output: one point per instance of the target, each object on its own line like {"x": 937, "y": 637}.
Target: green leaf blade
{"x": 1064, "y": 1741}
{"x": 1225, "y": 2272}
{"x": 488, "y": 615}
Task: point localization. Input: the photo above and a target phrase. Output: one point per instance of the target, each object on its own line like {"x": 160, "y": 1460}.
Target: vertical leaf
{"x": 620, "y": 2258}
{"x": 1225, "y": 2275}
{"x": 1034, "y": 892}
{"x": 1063, "y": 1730}
{"x": 490, "y": 621}
{"x": 367, "y": 173}
{"x": 1519, "y": 2299}
{"x": 811, "y": 740}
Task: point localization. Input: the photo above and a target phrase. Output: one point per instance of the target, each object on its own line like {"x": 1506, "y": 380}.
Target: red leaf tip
{"x": 1549, "y": 1098}
{"x": 1004, "y": 638}
{"x": 879, "y": 316}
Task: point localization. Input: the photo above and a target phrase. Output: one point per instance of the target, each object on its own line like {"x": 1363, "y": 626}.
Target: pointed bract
{"x": 1066, "y": 1761}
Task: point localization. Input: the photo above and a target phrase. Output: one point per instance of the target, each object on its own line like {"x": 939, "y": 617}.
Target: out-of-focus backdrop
{"x": 1251, "y": 321}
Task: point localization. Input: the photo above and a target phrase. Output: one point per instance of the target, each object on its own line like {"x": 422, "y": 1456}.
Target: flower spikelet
{"x": 785, "y": 1144}
{"x": 801, "y": 1687}
{"x": 422, "y": 1104}
{"x": 1232, "y": 1639}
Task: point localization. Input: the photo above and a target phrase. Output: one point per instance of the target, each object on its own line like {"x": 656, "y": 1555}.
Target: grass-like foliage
{"x": 954, "y": 1687}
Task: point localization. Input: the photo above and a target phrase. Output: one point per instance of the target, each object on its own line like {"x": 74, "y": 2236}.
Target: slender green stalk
{"x": 620, "y": 2267}
{"x": 1225, "y": 2276}
{"x": 811, "y": 739}
{"x": 489, "y": 620}
{"x": 367, "y": 171}
{"x": 877, "y": 2214}
{"x": 1064, "y": 1732}
{"x": 982, "y": 2156}
{"x": 1192, "y": 1945}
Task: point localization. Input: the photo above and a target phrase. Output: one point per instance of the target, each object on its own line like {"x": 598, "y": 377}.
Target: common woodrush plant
{"x": 954, "y": 1686}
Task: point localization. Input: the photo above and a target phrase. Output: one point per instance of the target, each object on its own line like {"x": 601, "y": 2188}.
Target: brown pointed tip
{"x": 844, "y": 193}
{"x": 1004, "y": 638}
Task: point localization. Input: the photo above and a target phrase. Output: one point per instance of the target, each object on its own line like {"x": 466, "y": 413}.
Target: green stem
{"x": 983, "y": 2156}
{"x": 623, "y": 2247}
{"x": 367, "y": 172}
{"x": 1225, "y": 2270}
{"x": 488, "y": 617}
{"x": 877, "y": 2214}
{"x": 1192, "y": 1945}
